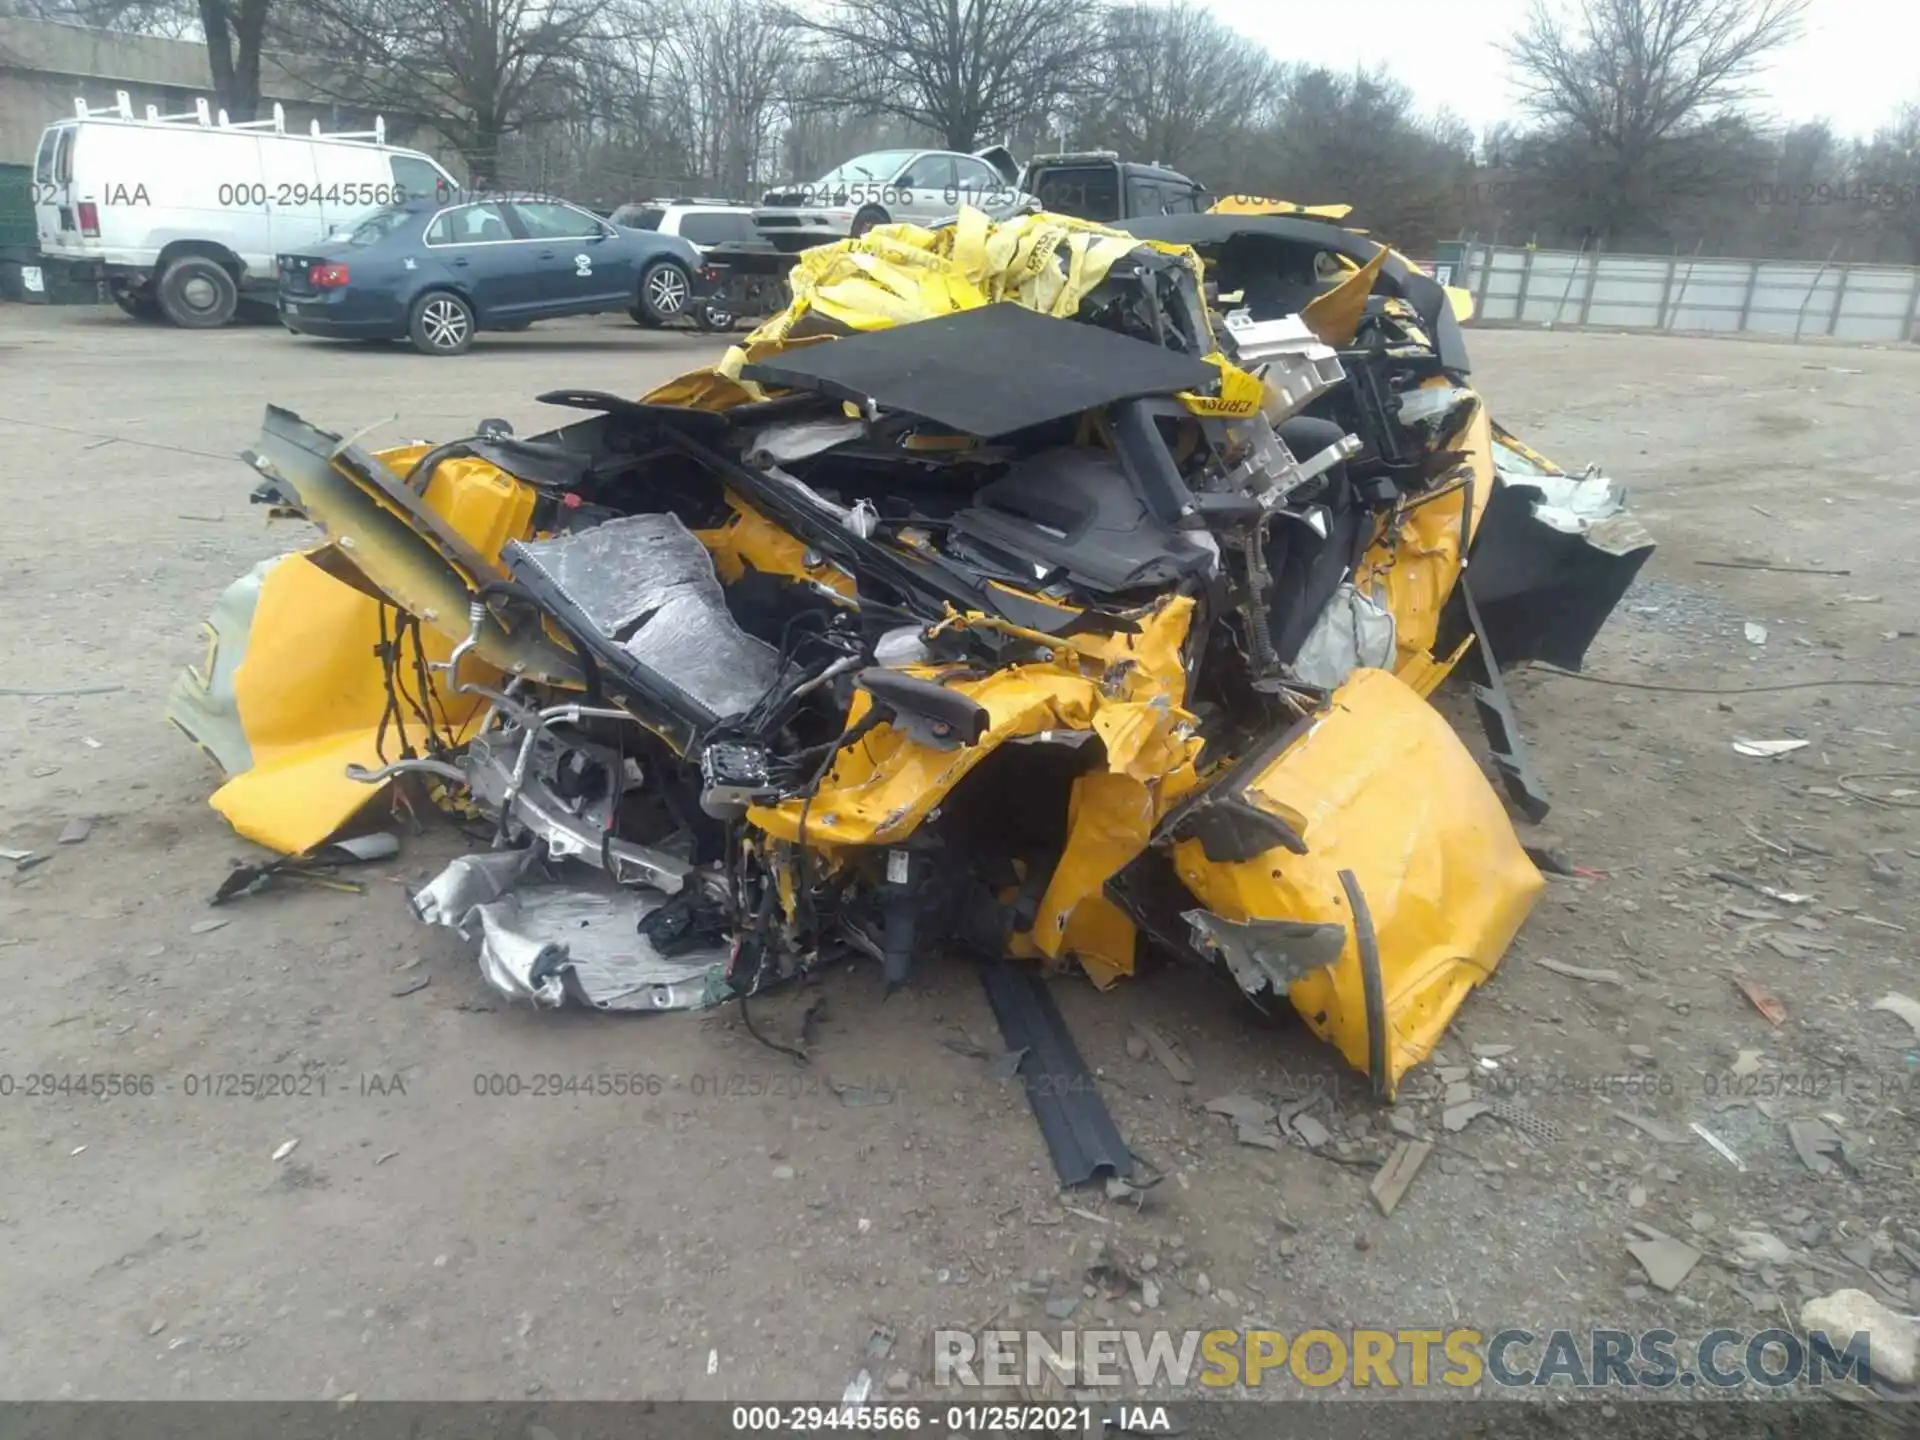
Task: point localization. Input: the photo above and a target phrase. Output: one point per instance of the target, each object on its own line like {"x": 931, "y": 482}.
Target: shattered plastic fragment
{"x": 1905, "y": 1006}
{"x": 1725, "y": 1150}
{"x": 1767, "y": 748}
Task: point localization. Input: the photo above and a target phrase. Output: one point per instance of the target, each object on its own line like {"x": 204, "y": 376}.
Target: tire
{"x": 441, "y": 324}
{"x": 642, "y": 319}
{"x": 711, "y": 317}
{"x": 197, "y": 293}
{"x": 666, "y": 291}
{"x": 139, "y": 304}
{"x": 868, "y": 218}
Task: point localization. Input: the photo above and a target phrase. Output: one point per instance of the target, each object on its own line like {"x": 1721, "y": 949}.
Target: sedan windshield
{"x": 879, "y": 165}
{"x": 378, "y": 226}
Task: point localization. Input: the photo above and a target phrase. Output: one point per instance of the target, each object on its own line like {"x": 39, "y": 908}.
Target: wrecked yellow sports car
{"x": 1027, "y": 590}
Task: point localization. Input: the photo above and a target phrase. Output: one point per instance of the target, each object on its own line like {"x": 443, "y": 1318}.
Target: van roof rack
{"x": 1077, "y": 155}
{"x": 691, "y": 200}
{"x": 204, "y": 116}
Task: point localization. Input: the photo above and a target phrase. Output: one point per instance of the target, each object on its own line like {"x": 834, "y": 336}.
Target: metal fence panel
{"x": 1680, "y": 292}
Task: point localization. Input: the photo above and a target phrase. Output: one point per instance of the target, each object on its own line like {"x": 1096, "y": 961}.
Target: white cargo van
{"x": 182, "y": 215}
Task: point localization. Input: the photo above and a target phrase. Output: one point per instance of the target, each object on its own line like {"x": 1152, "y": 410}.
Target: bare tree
{"x": 1358, "y": 139}
{"x": 1891, "y": 163}
{"x": 479, "y": 70}
{"x": 967, "y": 70}
{"x": 170, "y": 19}
{"x": 1635, "y": 92}
{"x": 1178, "y": 86}
{"x": 725, "y": 62}
{"x": 235, "y": 30}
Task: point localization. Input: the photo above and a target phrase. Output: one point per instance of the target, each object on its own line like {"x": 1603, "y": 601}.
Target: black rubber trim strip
{"x": 1080, "y": 1132}
{"x": 1374, "y": 984}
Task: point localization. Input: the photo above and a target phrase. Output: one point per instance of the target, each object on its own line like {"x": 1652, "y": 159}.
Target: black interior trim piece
{"x": 710, "y": 424}
{"x": 1080, "y": 1132}
{"x": 989, "y": 371}
{"x": 1230, "y": 830}
{"x": 1173, "y": 825}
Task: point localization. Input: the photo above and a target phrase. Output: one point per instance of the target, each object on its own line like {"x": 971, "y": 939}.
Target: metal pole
{"x": 1839, "y": 292}
{"x": 1746, "y": 302}
{"x": 1680, "y": 301}
{"x": 1801, "y": 319}
{"x": 1913, "y": 311}
{"x": 1666, "y": 291}
{"x": 1526, "y": 277}
{"x": 1487, "y": 254}
{"x": 1593, "y": 277}
{"x": 1572, "y": 270}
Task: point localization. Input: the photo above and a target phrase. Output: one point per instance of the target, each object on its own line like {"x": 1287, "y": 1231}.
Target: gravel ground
{"x": 424, "y": 1240}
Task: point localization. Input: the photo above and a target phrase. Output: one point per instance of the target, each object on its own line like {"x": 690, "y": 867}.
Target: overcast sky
{"x": 1858, "y": 60}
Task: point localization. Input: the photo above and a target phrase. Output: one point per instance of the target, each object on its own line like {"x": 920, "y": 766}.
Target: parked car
{"x": 920, "y": 186}
{"x": 436, "y": 273}
{"x": 1098, "y": 185}
{"x": 182, "y": 215}
{"x": 740, "y": 273}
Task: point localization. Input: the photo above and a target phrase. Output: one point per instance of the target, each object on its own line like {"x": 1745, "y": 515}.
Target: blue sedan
{"x": 435, "y": 271}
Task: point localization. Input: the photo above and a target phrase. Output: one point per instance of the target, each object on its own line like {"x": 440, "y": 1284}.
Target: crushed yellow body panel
{"x": 750, "y": 539}
{"x": 1415, "y": 559}
{"x": 1380, "y": 786}
{"x": 1334, "y": 315}
{"x": 1109, "y": 821}
{"x": 310, "y": 689}
{"x": 1127, "y": 688}
{"x": 310, "y": 693}
{"x": 483, "y": 504}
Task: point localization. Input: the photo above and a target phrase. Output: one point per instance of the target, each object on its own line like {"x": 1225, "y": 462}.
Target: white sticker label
{"x": 583, "y": 265}
{"x": 896, "y": 867}
{"x": 31, "y": 277}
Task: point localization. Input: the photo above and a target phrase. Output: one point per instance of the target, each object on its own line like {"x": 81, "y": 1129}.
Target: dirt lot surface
{"x": 426, "y": 1239}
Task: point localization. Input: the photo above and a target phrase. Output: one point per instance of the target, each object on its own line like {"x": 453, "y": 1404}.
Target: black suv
{"x": 1098, "y": 185}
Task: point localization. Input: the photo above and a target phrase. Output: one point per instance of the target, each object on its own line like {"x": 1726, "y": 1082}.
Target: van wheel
{"x": 442, "y": 324}
{"x": 197, "y": 293}
{"x": 137, "y": 303}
